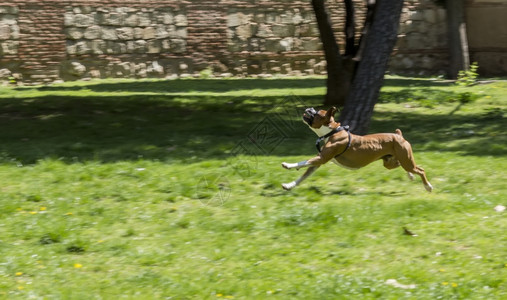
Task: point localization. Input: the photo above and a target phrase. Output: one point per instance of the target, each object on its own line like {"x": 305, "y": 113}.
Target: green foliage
{"x": 12, "y": 80}
{"x": 206, "y": 73}
{"x": 126, "y": 189}
{"x": 468, "y": 77}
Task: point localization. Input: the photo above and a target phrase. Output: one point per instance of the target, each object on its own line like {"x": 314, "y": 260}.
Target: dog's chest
{"x": 336, "y": 162}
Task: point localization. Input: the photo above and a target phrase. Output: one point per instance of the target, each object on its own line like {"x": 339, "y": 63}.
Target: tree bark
{"x": 338, "y": 83}
{"x": 370, "y": 5}
{"x": 457, "y": 37}
{"x": 350, "y": 29}
{"x": 378, "y": 46}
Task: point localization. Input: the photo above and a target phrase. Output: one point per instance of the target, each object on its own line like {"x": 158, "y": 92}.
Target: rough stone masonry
{"x": 45, "y": 41}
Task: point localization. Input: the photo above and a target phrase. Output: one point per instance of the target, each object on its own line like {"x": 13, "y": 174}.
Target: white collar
{"x": 323, "y": 130}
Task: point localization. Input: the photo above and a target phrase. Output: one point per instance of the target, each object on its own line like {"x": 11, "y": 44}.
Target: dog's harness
{"x": 337, "y": 129}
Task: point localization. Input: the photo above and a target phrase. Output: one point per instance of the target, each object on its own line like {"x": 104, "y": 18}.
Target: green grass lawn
{"x": 156, "y": 189}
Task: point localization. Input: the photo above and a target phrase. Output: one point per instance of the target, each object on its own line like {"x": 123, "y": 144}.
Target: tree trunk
{"x": 350, "y": 29}
{"x": 457, "y": 37}
{"x": 369, "y": 77}
{"x": 338, "y": 83}
{"x": 370, "y": 5}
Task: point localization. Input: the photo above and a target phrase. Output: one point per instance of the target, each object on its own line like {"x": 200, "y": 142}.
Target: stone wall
{"x": 9, "y": 37}
{"x": 97, "y": 31}
{"x": 421, "y": 48}
{"x": 9, "y": 30}
{"x": 50, "y": 40}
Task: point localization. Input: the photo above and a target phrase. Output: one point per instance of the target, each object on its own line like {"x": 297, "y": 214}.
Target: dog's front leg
{"x": 318, "y": 160}
{"x": 293, "y": 184}
{"x": 297, "y": 166}
{"x": 313, "y": 164}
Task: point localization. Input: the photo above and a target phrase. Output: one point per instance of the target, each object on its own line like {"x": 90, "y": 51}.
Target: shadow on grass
{"x": 149, "y": 127}
{"x": 220, "y": 85}
{"x": 196, "y": 128}
{"x": 191, "y": 85}
{"x": 479, "y": 134}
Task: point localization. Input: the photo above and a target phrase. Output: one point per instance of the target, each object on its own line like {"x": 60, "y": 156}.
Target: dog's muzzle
{"x": 309, "y": 115}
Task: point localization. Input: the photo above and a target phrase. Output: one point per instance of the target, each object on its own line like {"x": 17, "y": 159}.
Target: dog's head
{"x": 317, "y": 119}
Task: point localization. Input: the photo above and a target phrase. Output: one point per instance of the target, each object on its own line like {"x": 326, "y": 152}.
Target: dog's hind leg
{"x": 390, "y": 162}
{"x": 403, "y": 152}
{"x": 410, "y": 175}
{"x": 293, "y": 184}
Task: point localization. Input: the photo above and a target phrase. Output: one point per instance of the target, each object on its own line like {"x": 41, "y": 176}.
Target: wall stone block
{"x": 125, "y": 33}
{"x": 109, "y": 33}
{"x": 9, "y": 31}
{"x": 74, "y": 33}
{"x": 178, "y": 45}
{"x": 9, "y": 47}
{"x": 154, "y": 46}
{"x": 149, "y": 33}
{"x": 5, "y": 32}
{"x": 93, "y": 32}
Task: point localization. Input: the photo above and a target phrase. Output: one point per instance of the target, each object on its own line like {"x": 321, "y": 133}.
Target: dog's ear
{"x": 330, "y": 112}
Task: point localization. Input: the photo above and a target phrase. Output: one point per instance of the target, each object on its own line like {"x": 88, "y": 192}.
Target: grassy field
{"x": 171, "y": 190}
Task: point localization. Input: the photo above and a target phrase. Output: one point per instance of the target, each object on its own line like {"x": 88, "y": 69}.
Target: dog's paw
{"x": 288, "y": 186}
{"x": 289, "y": 166}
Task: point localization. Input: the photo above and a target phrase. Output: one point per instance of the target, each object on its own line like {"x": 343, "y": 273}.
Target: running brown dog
{"x": 354, "y": 151}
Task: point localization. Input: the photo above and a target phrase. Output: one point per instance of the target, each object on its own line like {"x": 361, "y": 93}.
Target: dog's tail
{"x": 398, "y": 132}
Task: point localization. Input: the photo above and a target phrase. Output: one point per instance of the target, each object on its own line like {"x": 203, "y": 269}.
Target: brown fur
{"x": 392, "y": 148}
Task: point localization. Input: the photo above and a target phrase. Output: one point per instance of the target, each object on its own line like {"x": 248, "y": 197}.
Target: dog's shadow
{"x": 349, "y": 191}
{"x": 371, "y": 193}
{"x": 271, "y": 190}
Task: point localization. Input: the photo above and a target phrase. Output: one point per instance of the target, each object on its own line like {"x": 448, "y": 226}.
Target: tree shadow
{"x": 196, "y": 128}
{"x": 414, "y": 82}
{"x": 189, "y": 85}
{"x": 157, "y": 127}
{"x": 481, "y": 134}
{"x": 426, "y": 97}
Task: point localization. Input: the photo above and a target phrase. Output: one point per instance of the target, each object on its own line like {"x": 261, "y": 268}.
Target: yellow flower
{"x": 219, "y": 295}
{"x": 442, "y": 270}
{"x": 19, "y": 273}
{"x": 78, "y": 266}
{"x": 445, "y": 283}
{"x": 69, "y": 214}
{"x": 454, "y": 284}
{"x": 229, "y": 297}
{"x": 33, "y": 212}
{"x": 43, "y": 208}
{"x": 20, "y": 287}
